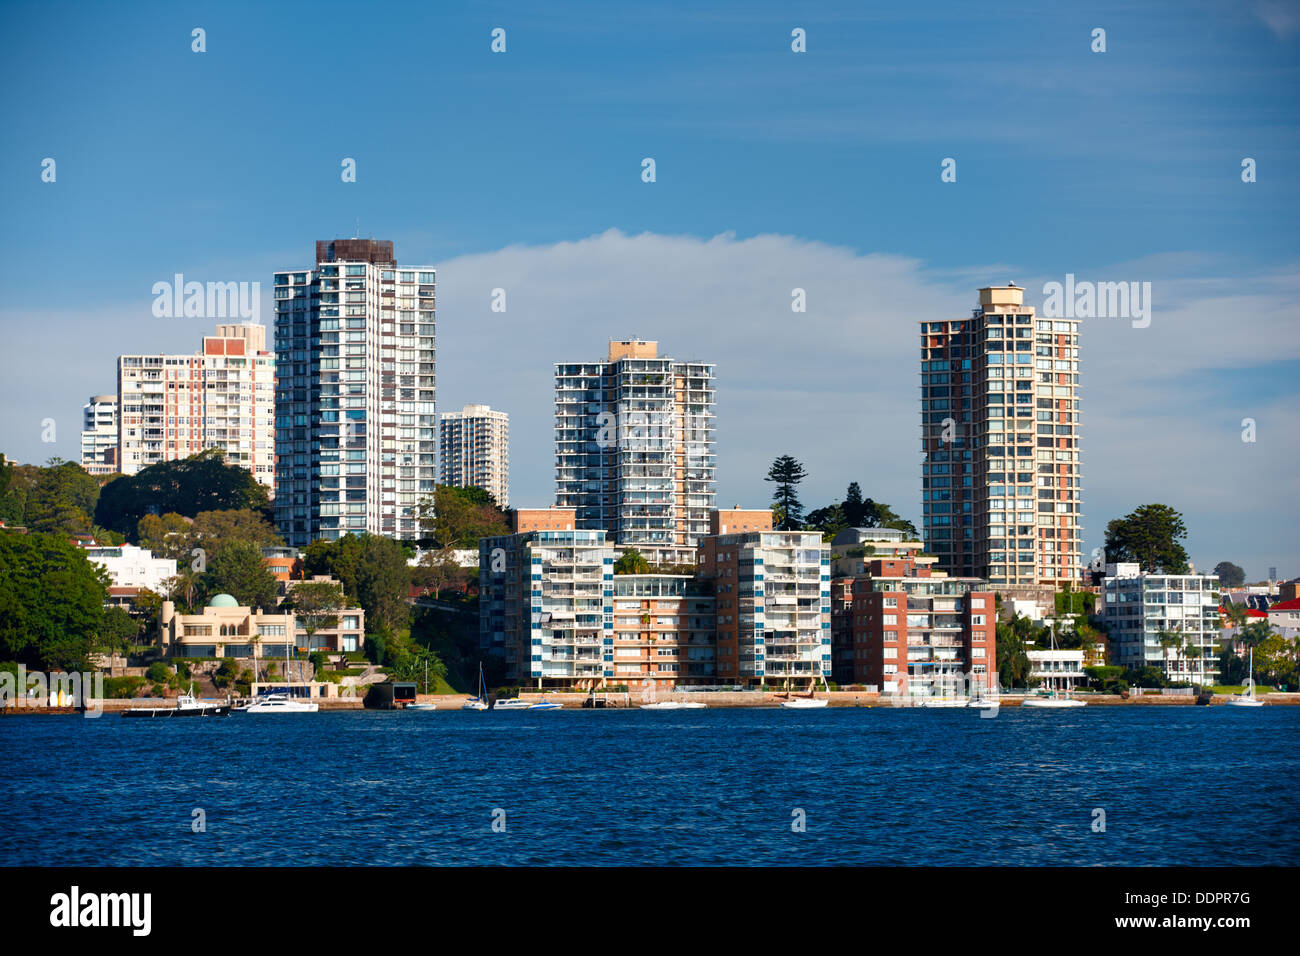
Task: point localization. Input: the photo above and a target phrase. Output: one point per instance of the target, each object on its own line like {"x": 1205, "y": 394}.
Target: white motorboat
{"x": 1052, "y": 701}
{"x": 944, "y": 702}
{"x": 985, "y": 703}
{"x": 545, "y": 705}
{"x": 420, "y": 707}
{"x": 513, "y": 703}
{"x": 1247, "y": 699}
{"x": 282, "y": 704}
{"x": 479, "y": 702}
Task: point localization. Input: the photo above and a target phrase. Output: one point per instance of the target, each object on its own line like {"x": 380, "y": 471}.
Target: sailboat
{"x": 651, "y": 701}
{"x": 282, "y": 703}
{"x": 1053, "y": 700}
{"x": 1248, "y": 699}
{"x": 479, "y": 702}
{"x": 984, "y": 700}
{"x": 807, "y": 703}
{"x": 416, "y": 705}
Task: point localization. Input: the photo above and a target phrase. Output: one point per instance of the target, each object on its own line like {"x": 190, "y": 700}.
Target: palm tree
{"x": 1169, "y": 640}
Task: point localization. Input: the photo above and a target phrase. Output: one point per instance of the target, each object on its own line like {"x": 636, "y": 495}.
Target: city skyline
{"x": 756, "y": 194}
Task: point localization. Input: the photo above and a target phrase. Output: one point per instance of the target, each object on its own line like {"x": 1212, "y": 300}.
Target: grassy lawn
{"x": 1240, "y": 689}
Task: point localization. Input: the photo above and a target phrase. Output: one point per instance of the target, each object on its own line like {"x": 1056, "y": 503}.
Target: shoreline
{"x": 714, "y": 699}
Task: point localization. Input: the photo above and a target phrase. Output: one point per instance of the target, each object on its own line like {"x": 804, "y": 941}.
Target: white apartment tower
{"x": 474, "y": 451}
{"x": 175, "y": 406}
{"x": 99, "y": 435}
{"x": 1001, "y": 480}
{"x": 634, "y": 449}
{"x": 356, "y": 428}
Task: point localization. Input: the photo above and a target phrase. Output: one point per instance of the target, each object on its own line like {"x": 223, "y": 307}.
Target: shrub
{"x": 119, "y": 687}
{"x": 158, "y": 672}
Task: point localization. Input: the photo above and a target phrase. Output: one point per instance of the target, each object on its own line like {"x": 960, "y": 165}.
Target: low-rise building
{"x": 226, "y": 629}
{"x": 1058, "y": 670}
{"x": 912, "y": 631}
{"x": 132, "y": 567}
{"x": 1169, "y": 621}
{"x": 853, "y": 549}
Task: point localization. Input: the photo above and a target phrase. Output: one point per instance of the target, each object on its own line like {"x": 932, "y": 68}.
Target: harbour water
{"x": 882, "y": 785}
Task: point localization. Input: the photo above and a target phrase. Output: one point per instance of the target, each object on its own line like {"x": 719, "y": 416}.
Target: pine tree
{"x": 786, "y": 473}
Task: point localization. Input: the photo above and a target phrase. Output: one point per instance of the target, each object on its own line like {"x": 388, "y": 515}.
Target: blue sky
{"x": 820, "y": 170}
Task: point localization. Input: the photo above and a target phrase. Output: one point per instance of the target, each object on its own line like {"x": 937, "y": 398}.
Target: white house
{"x": 132, "y": 567}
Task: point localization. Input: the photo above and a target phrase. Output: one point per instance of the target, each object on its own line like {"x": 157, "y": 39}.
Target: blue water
{"x": 1179, "y": 785}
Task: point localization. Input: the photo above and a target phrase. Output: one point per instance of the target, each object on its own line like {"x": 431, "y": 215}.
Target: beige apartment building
{"x": 1001, "y": 479}
{"x": 99, "y": 435}
{"x": 474, "y": 451}
{"x": 634, "y": 448}
{"x": 223, "y": 396}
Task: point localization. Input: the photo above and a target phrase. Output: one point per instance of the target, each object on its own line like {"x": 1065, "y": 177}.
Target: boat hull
{"x": 1052, "y": 704}
{"x": 804, "y": 703}
{"x": 222, "y": 710}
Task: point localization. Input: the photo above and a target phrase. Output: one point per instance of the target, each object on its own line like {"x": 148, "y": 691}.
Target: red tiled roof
{"x": 1292, "y": 605}
{"x": 1251, "y": 612}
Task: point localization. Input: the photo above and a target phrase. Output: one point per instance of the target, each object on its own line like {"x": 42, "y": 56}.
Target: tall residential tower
{"x": 355, "y": 428}
{"x": 474, "y": 451}
{"x": 174, "y": 406}
{"x": 1000, "y": 436}
{"x": 634, "y": 449}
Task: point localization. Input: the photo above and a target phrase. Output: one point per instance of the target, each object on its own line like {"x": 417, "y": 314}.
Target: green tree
{"x": 238, "y": 570}
{"x": 316, "y": 605}
{"x": 202, "y": 482}
{"x": 383, "y": 583}
{"x": 1012, "y": 653}
{"x": 1152, "y": 537}
{"x": 62, "y": 499}
{"x": 51, "y": 601}
{"x": 786, "y": 473}
{"x": 631, "y": 562}
{"x": 854, "y": 507}
{"x": 1230, "y": 575}
{"x": 215, "y": 529}
{"x": 117, "y": 631}
{"x": 458, "y": 517}
{"x": 166, "y": 536}
{"x": 830, "y": 521}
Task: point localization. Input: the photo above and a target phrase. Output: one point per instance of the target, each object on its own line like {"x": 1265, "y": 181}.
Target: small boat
{"x": 479, "y": 702}
{"x": 651, "y": 702}
{"x": 810, "y": 702}
{"x": 985, "y": 703}
{"x": 545, "y": 705}
{"x": 944, "y": 702}
{"x": 187, "y": 705}
{"x": 514, "y": 703}
{"x": 420, "y": 707}
{"x": 282, "y": 704}
{"x": 1247, "y": 699}
{"x": 805, "y": 703}
{"x": 1052, "y": 701}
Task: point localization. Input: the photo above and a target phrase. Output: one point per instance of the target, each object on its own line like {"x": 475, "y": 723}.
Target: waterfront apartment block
{"x": 99, "y": 435}
{"x": 356, "y": 428}
{"x": 226, "y": 629}
{"x": 1170, "y": 621}
{"x": 546, "y": 606}
{"x": 474, "y": 451}
{"x": 175, "y": 406}
{"x": 772, "y": 598}
{"x": 663, "y": 631}
{"x": 1001, "y": 479}
{"x": 634, "y": 448}
{"x": 911, "y": 631}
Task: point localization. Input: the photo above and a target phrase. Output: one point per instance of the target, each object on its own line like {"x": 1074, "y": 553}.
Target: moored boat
{"x": 187, "y": 705}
